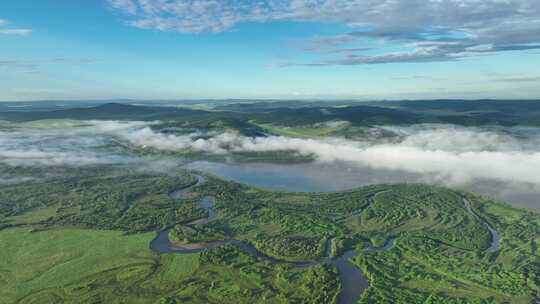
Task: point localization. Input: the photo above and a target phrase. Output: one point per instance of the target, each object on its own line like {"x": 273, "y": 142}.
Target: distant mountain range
{"x": 293, "y": 113}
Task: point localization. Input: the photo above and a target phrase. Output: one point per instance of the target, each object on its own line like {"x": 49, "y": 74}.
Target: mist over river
{"x": 336, "y": 176}
{"x": 499, "y": 162}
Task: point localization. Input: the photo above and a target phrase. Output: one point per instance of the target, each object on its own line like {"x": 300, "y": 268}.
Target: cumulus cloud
{"x": 430, "y": 30}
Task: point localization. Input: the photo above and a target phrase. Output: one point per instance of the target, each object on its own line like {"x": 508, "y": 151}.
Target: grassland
{"x": 83, "y": 238}
{"x": 85, "y": 266}
{"x": 88, "y": 266}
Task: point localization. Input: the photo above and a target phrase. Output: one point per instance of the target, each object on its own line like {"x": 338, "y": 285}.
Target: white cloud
{"x": 16, "y": 32}
{"x": 35, "y": 157}
{"x": 55, "y": 143}
{"x": 126, "y": 5}
{"x": 457, "y": 155}
{"x": 211, "y": 15}
{"x": 430, "y": 30}
{"x": 13, "y": 31}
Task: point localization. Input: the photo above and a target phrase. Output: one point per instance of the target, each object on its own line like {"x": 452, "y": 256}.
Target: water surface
{"x": 328, "y": 177}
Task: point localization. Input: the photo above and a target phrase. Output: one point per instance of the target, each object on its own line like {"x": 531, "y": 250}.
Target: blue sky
{"x": 191, "y": 49}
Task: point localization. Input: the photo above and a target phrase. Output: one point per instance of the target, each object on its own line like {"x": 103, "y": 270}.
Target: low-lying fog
{"x": 497, "y": 161}
{"x": 327, "y": 177}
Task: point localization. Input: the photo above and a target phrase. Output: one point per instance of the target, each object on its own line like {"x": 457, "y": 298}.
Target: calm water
{"x": 352, "y": 279}
{"x": 325, "y": 177}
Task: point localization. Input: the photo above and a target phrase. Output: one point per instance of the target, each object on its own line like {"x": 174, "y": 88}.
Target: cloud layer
{"x": 424, "y": 31}
{"x": 54, "y": 144}
{"x": 454, "y": 154}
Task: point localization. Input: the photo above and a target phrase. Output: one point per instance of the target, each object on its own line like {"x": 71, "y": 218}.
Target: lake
{"x": 336, "y": 176}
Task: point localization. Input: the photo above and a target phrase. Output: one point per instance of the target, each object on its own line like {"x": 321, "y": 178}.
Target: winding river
{"x": 495, "y": 236}
{"x": 353, "y": 282}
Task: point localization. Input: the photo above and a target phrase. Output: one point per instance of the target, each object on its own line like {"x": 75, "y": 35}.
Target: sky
{"x": 282, "y": 49}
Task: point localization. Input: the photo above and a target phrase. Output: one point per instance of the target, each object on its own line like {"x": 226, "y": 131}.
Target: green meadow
{"x": 79, "y": 265}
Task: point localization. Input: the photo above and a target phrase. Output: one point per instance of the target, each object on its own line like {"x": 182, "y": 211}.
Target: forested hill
{"x": 108, "y": 111}
{"x": 468, "y": 113}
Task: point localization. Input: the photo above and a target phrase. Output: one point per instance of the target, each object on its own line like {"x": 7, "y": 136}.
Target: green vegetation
{"x": 99, "y": 198}
{"x": 424, "y": 269}
{"x": 86, "y": 266}
{"x": 437, "y": 239}
{"x": 309, "y": 131}
{"x": 196, "y": 233}
{"x": 238, "y": 116}
{"x": 229, "y": 275}
{"x": 81, "y": 234}
{"x": 291, "y": 248}
{"x": 65, "y": 241}
{"x": 89, "y": 266}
